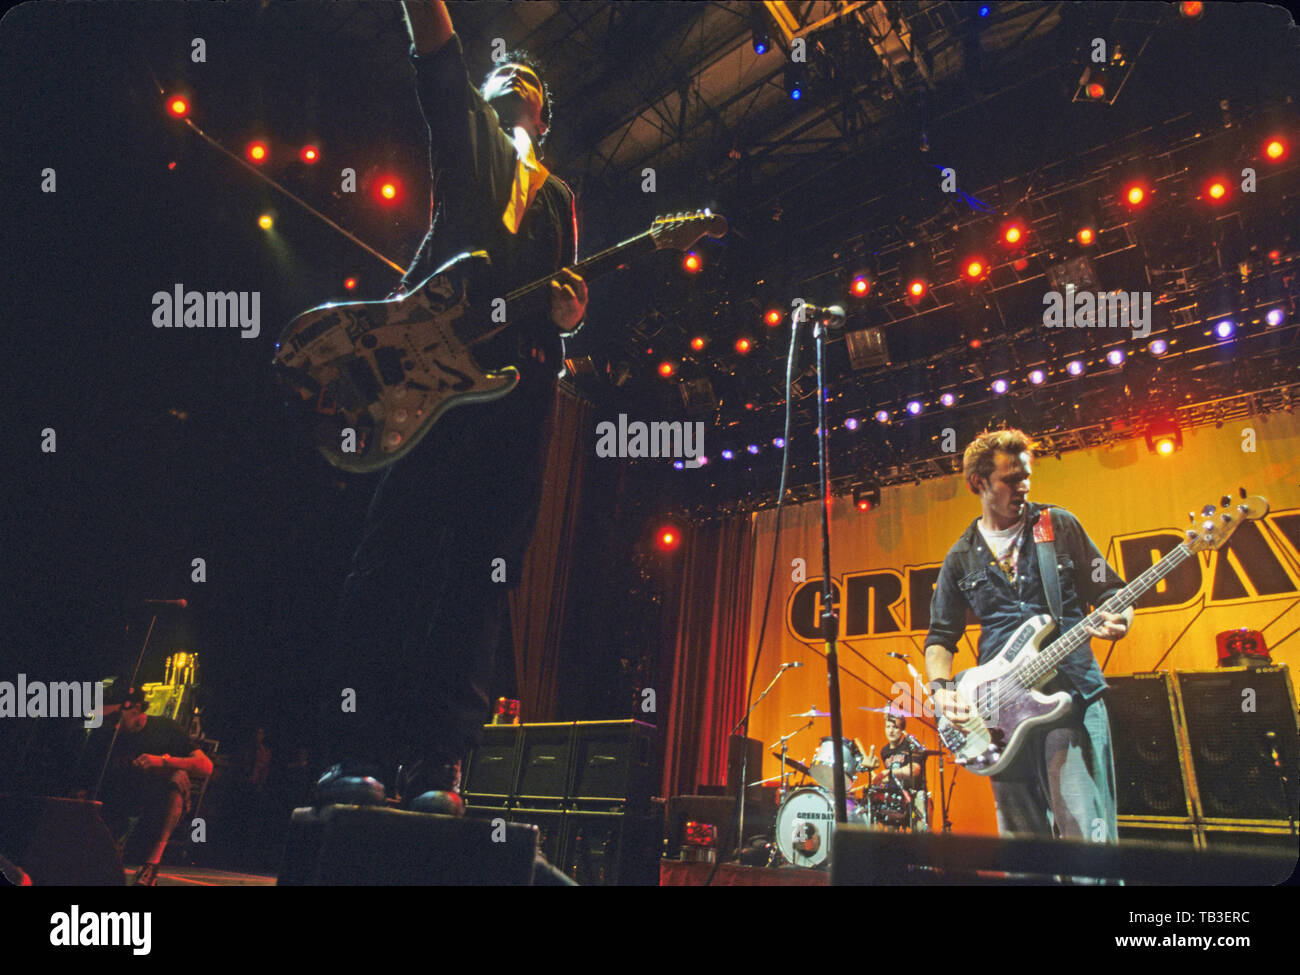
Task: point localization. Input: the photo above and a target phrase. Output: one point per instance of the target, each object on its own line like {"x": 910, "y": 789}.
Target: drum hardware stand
{"x": 784, "y": 742}
{"x": 944, "y": 797}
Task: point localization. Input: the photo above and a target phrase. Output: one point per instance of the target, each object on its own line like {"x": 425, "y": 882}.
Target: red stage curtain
{"x": 709, "y": 613}
{"x": 537, "y": 605}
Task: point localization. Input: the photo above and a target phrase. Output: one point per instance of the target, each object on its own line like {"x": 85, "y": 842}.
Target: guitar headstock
{"x": 679, "y": 231}
{"x": 1217, "y": 522}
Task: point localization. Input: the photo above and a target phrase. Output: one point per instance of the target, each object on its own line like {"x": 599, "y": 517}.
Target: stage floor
{"x": 204, "y": 877}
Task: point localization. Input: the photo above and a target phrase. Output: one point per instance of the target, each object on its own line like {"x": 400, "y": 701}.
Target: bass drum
{"x": 804, "y": 825}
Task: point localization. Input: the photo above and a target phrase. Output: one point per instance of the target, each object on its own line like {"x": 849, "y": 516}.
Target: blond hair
{"x": 980, "y": 458}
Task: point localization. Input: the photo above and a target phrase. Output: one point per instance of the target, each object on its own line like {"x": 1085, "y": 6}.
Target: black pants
{"x": 420, "y": 616}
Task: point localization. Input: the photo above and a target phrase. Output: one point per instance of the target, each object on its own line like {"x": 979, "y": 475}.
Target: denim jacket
{"x": 971, "y": 582}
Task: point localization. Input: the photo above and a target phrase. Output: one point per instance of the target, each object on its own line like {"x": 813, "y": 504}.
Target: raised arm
{"x": 428, "y": 23}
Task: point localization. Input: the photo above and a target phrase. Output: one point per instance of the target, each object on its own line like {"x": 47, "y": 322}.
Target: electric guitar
{"x": 1002, "y": 694}
{"x": 373, "y": 377}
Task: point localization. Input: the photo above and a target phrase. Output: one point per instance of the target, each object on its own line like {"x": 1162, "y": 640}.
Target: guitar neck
{"x": 1078, "y": 635}
{"x": 593, "y": 267}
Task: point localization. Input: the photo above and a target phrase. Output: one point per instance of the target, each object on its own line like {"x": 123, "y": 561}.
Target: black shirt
{"x": 971, "y": 580}
{"x": 159, "y": 736}
{"x": 897, "y": 757}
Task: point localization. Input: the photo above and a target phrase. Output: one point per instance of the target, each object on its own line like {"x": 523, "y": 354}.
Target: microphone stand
{"x": 943, "y": 793}
{"x": 829, "y": 617}
{"x": 744, "y": 762}
{"x": 103, "y": 770}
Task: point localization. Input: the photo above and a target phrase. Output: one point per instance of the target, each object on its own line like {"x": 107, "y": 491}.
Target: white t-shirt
{"x": 1004, "y": 544}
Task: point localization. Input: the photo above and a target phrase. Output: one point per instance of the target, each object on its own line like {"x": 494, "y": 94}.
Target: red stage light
{"x": 1275, "y": 150}
{"x": 860, "y": 287}
{"x": 350, "y": 283}
{"x": 256, "y": 151}
{"x": 666, "y": 369}
{"x": 1012, "y": 234}
{"x": 178, "y": 106}
{"x": 916, "y": 288}
{"x": 864, "y": 504}
{"x": 309, "y": 154}
{"x": 388, "y": 191}
{"x": 975, "y": 270}
{"x": 1020, "y": 263}
{"x": 1275, "y": 256}
{"x": 1135, "y": 194}
{"x": 1096, "y": 91}
{"x": 667, "y": 538}
{"x": 691, "y": 262}
{"x": 975, "y": 343}
{"x": 1085, "y": 236}
{"x": 773, "y": 317}
{"x": 697, "y": 343}
{"x": 1217, "y": 190}
{"x": 1191, "y": 9}
{"x": 743, "y": 345}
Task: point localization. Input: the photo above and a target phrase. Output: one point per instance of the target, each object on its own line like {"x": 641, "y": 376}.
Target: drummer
{"x": 908, "y": 768}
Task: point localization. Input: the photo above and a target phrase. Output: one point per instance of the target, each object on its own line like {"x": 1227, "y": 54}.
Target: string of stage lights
{"x": 178, "y": 106}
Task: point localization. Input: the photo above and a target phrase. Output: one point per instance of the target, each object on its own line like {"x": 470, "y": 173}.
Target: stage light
{"x": 1275, "y": 150}
{"x": 985, "y": 10}
{"x": 851, "y": 423}
{"x": 796, "y": 79}
{"x": 1163, "y": 437}
{"x": 668, "y": 538}
{"x": 1115, "y": 357}
{"x": 914, "y": 407}
{"x": 976, "y": 269}
{"x": 309, "y": 154}
{"x": 702, "y": 460}
{"x": 1224, "y": 328}
{"x": 666, "y": 369}
{"x": 778, "y": 443}
{"x": 999, "y": 386}
{"x": 860, "y": 286}
{"x": 1192, "y": 10}
{"x": 1075, "y": 367}
{"x": 679, "y": 465}
{"x": 1275, "y": 255}
{"x": 178, "y": 106}
{"x": 773, "y": 317}
{"x": 975, "y": 343}
{"x": 1037, "y": 377}
{"x": 727, "y": 455}
{"x": 916, "y": 289}
{"x": 752, "y": 448}
{"x": 866, "y": 497}
{"x": 1158, "y": 347}
{"x": 1135, "y": 194}
{"x": 947, "y": 399}
{"x": 264, "y": 221}
{"x": 350, "y": 283}
{"x": 758, "y": 30}
{"x": 1012, "y": 234}
{"x": 743, "y": 345}
{"x": 256, "y": 151}
{"x": 882, "y": 416}
{"x": 388, "y": 191}
{"x": 1217, "y": 190}
{"x": 1275, "y": 316}
{"x": 1095, "y": 90}
{"x": 691, "y": 262}
{"x": 1085, "y": 236}
{"x": 697, "y": 343}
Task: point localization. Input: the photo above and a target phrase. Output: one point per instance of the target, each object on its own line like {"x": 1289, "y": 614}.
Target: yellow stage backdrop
{"x": 1132, "y": 503}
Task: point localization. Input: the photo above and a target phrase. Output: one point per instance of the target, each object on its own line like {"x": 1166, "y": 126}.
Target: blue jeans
{"x": 1063, "y": 781}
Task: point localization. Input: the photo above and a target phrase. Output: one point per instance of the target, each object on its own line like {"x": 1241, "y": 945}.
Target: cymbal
{"x": 797, "y": 766}
{"x": 812, "y": 713}
{"x": 890, "y": 710}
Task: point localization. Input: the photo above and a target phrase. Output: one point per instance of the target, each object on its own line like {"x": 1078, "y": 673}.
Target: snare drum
{"x": 822, "y": 766}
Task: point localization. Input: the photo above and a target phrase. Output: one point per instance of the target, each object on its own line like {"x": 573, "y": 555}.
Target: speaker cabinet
{"x": 1242, "y": 740}
{"x": 1145, "y": 736}
{"x": 491, "y": 768}
{"x": 59, "y": 841}
{"x": 545, "y": 753}
{"x": 613, "y": 762}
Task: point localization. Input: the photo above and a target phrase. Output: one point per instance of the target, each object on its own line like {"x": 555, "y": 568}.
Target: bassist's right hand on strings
{"x": 947, "y": 703}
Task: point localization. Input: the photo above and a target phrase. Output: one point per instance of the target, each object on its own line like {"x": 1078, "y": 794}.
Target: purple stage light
{"x": 914, "y": 407}
{"x": 1225, "y": 328}
{"x": 1115, "y": 357}
{"x": 1037, "y": 377}
{"x": 1075, "y": 367}
{"x": 999, "y": 386}
{"x": 882, "y": 416}
{"x": 851, "y": 423}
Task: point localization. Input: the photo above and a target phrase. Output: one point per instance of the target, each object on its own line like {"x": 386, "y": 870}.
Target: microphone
{"x": 788, "y": 666}
{"x": 832, "y": 315}
{"x": 178, "y": 603}
{"x": 891, "y": 653}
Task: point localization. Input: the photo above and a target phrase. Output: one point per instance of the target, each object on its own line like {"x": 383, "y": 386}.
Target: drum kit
{"x": 805, "y": 817}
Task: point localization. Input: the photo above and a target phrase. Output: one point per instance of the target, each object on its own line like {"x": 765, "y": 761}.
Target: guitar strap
{"x": 1044, "y": 542}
